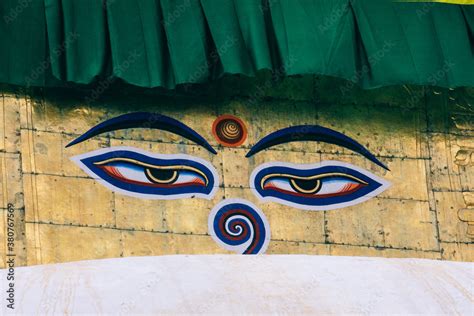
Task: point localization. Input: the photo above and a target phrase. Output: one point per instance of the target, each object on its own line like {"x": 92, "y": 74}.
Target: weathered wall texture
{"x": 424, "y": 135}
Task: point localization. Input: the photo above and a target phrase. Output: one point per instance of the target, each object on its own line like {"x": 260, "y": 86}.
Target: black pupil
{"x": 307, "y": 185}
{"x": 163, "y": 175}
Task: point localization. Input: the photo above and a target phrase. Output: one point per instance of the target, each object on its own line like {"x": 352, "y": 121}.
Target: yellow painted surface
{"x": 61, "y": 214}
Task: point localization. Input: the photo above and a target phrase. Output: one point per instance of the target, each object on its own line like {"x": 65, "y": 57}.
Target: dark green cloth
{"x": 162, "y": 43}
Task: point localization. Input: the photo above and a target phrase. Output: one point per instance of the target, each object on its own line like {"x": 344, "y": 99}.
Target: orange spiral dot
{"x": 229, "y": 130}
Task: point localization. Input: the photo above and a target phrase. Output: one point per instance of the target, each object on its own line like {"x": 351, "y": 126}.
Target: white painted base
{"x": 244, "y": 284}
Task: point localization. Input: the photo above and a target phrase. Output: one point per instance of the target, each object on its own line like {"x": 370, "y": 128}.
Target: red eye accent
{"x": 112, "y": 171}
{"x": 115, "y": 173}
{"x": 349, "y": 188}
{"x": 196, "y": 181}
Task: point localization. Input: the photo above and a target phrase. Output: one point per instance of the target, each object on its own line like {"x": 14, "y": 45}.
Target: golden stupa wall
{"x": 424, "y": 135}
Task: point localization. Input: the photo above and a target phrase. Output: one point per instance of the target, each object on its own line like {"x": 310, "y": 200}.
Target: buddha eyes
{"x": 324, "y": 186}
{"x": 137, "y": 173}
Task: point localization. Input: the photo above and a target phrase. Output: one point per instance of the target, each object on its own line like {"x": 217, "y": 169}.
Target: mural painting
{"x": 146, "y": 147}
{"x": 130, "y": 177}
{"x": 238, "y": 226}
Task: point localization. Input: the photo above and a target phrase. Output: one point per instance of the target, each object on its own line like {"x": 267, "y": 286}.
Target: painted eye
{"x": 324, "y": 186}
{"x": 137, "y": 173}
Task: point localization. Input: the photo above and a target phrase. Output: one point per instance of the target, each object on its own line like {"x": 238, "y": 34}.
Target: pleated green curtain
{"x": 163, "y": 43}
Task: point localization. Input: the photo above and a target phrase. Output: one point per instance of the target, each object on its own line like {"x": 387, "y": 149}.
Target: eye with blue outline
{"x": 325, "y": 186}
{"x": 142, "y": 174}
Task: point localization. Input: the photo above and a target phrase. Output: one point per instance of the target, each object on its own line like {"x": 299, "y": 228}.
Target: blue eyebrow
{"x": 312, "y": 133}
{"x": 144, "y": 120}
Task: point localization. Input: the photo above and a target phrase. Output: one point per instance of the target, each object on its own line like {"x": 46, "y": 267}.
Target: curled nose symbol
{"x": 238, "y": 225}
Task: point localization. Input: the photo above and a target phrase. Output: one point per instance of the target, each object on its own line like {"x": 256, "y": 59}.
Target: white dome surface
{"x": 233, "y": 284}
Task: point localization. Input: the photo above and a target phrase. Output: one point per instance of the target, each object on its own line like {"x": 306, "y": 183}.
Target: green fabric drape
{"x": 163, "y": 43}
